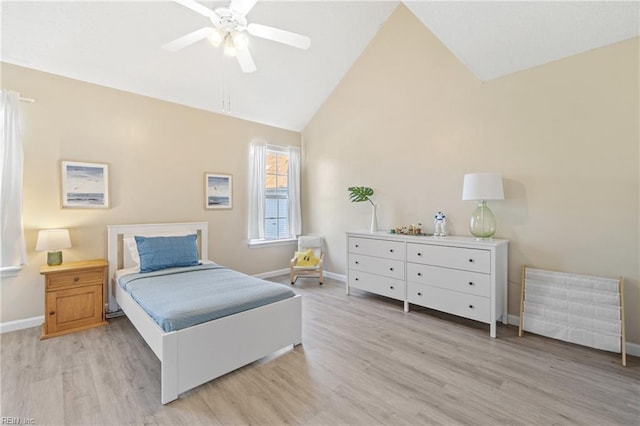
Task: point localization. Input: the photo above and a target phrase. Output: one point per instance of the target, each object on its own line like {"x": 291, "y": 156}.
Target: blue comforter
{"x": 177, "y": 298}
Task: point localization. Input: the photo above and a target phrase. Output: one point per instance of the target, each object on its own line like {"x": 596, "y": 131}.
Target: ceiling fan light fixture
{"x": 215, "y": 37}
{"x": 240, "y": 40}
{"x": 230, "y": 48}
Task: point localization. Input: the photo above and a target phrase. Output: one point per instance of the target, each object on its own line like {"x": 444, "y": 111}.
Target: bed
{"x": 197, "y": 354}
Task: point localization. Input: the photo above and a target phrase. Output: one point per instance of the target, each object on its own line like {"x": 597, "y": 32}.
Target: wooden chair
{"x": 305, "y": 243}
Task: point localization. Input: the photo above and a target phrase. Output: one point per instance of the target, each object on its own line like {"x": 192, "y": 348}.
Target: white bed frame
{"x": 198, "y": 354}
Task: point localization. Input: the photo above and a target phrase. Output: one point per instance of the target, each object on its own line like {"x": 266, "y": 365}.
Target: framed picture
{"x": 85, "y": 185}
{"x": 218, "y": 191}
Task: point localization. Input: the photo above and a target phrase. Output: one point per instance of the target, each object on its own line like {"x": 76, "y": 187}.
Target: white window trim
{"x": 10, "y": 271}
{"x": 271, "y": 243}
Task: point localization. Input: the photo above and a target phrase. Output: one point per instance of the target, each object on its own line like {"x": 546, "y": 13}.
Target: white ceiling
{"x": 117, "y": 44}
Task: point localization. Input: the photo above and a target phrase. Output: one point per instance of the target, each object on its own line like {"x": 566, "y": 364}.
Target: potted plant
{"x": 358, "y": 194}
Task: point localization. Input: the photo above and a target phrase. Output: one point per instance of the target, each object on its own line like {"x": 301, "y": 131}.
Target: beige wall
{"x": 158, "y": 153}
{"x": 410, "y": 120}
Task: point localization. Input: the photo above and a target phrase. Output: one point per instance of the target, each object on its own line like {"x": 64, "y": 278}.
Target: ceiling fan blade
{"x": 242, "y": 6}
{"x": 197, "y": 7}
{"x": 281, "y": 36}
{"x": 246, "y": 61}
{"x": 188, "y": 39}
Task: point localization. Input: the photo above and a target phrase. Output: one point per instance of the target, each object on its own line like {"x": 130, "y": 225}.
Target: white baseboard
{"x": 632, "y": 348}
{"x": 271, "y": 274}
{"x": 337, "y": 277}
{"x": 278, "y": 272}
{"x": 8, "y": 326}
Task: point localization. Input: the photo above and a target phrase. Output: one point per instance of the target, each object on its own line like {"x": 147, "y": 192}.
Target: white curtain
{"x": 257, "y": 158}
{"x": 295, "y": 221}
{"x": 13, "y": 244}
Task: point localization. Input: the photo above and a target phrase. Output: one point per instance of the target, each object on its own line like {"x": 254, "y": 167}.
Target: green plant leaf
{"x": 358, "y": 194}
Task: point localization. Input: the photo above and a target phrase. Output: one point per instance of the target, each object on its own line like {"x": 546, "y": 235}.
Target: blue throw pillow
{"x": 166, "y": 252}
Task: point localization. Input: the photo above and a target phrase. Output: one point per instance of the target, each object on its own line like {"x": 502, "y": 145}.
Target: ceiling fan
{"x": 229, "y": 26}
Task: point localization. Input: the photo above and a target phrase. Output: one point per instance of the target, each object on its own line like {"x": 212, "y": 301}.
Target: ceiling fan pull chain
{"x": 225, "y": 105}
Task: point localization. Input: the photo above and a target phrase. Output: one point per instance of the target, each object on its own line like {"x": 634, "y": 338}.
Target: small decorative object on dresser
{"x": 440, "y": 225}
{"x": 74, "y": 297}
{"x": 458, "y": 275}
{"x": 358, "y": 194}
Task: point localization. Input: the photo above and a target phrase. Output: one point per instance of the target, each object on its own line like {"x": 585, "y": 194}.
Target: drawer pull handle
{"x": 470, "y": 306}
{"x": 470, "y": 260}
{"x": 357, "y": 246}
{"x": 391, "y": 287}
{"x": 52, "y": 312}
{"x": 391, "y": 269}
{"x": 419, "y": 254}
{"x": 357, "y": 262}
{"x": 419, "y": 274}
{"x": 357, "y": 279}
{"x": 391, "y": 250}
{"x": 76, "y": 279}
{"x": 419, "y": 294}
{"x": 470, "y": 282}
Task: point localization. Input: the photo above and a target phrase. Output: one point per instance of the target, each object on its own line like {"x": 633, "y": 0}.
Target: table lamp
{"x": 482, "y": 187}
{"x": 53, "y": 240}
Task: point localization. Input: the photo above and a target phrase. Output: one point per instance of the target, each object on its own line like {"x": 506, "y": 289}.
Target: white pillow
{"x": 130, "y": 242}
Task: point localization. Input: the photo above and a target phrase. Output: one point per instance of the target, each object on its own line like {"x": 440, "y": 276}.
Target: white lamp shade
{"x": 482, "y": 186}
{"x": 53, "y": 239}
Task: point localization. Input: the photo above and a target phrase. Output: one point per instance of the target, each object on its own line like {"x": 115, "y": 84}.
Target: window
{"x": 274, "y": 193}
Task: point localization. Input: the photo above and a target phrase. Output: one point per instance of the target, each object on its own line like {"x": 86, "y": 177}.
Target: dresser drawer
{"x": 378, "y": 248}
{"x": 456, "y": 303}
{"x": 475, "y": 260}
{"x": 377, "y": 265}
{"x": 384, "y": 286}
{"x": 77, "y": 278}
{"x": 450, "y": 279}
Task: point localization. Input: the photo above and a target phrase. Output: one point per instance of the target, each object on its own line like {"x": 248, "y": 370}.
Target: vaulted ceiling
{"x": 117, "y": 44}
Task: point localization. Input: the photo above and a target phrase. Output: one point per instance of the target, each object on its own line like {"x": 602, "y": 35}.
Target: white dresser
{"x": 458, "y": 275}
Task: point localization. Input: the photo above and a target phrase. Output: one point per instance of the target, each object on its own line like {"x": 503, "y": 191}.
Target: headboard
{"x": 119, "y": 257}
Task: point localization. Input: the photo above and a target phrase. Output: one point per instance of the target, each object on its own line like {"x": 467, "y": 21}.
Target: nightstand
{"x": 74, "y": 297}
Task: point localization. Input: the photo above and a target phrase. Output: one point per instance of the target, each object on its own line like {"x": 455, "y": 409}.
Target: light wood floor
{"x": 363, "y": 361}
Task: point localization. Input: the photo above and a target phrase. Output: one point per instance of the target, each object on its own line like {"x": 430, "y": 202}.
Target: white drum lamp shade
{"x": 53, "y": 240}
{"x": 482, "y": 187}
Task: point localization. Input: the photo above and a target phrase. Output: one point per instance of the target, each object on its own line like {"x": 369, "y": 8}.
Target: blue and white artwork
{"x": 85, "y": 185}
{"x": 218, "y": 191}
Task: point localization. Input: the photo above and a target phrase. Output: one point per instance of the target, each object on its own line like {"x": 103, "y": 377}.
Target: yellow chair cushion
{"x": 306, "y": 258}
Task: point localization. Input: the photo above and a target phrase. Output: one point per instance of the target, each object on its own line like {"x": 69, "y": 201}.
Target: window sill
{"x": 271, "y": 243}
{"x": 10, "y": 271}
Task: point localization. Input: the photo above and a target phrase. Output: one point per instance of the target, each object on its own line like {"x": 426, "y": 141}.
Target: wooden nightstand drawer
{"x": 77, "y": 278}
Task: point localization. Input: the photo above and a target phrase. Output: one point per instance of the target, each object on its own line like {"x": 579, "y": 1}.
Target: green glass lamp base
{"x": 54, "y": 258}
{"x": 483, "y": 223}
